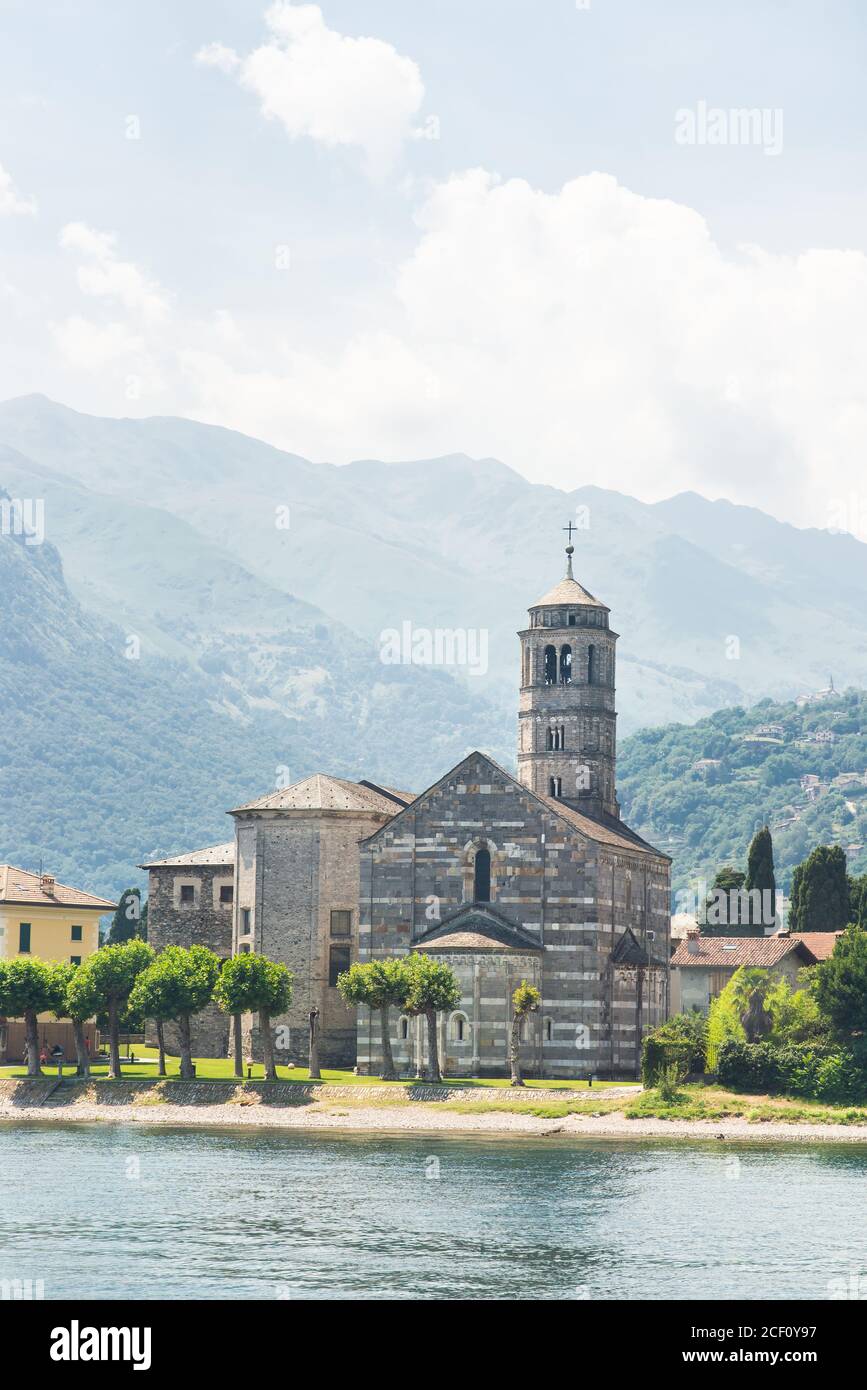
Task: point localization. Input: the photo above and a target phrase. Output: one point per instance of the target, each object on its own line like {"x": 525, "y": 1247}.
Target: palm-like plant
{"x": 525, "y": 1001}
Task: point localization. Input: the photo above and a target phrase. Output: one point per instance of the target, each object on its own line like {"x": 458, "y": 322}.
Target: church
{"x": 505, "y": 878}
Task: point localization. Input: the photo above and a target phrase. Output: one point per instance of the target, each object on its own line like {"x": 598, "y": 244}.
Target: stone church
{"x": 505, "y": 878}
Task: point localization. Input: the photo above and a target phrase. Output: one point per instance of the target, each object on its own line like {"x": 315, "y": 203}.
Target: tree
{"x": 178, "y": 984}
{"x": 27, "y": 989}
{"x": 126, "y": 922}
{"x": 840, "y": 983}
{"x": 76, "y": 1004}
{"x": 728, "y": 880}
{"x": 760, "y": 876}
{"x": 379, "y": 985}
{"x": 237, "y": 992}
{"x": 251, "y": 983}
{"x": 525, "y": 1000}
{"x": 314, "y": 1071}
{"x": 109, "y": 976}
{"x": 431, "y": 988}
{"x": 858, "y": 900}
{"x": 820, "y": 892}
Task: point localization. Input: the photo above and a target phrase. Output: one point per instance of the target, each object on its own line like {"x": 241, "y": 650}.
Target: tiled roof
{"x": 720, "y": 952}
{"x": 628, "y": 950}
{"x": 604, "y": 832}
{"x": 19, "y": 886}
{"x": 323, "y": 793}
{"x": 567, "y": 591}
{"x": 607, "y": 831}
{"x": 821, "y": 943}
{"x": 475, "y": 928}
{"x": 216, "y": 854}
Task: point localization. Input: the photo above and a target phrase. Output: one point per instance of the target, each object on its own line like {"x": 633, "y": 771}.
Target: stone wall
{"x": 295, "y": 868}
{"x": 574, "y": 896}
{"x": 205, "y": 923}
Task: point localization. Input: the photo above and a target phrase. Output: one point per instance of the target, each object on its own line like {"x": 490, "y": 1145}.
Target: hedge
{"x": 813, "y": 1070}
{"x": 680, "y": 1041}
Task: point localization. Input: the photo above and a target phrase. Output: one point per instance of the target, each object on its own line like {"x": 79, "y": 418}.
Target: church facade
{"x": 533, "y": 877}
{"x": 506, "y": 878}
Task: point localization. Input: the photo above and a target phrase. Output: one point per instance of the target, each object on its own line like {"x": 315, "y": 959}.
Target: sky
{"x": 615, "y": 242}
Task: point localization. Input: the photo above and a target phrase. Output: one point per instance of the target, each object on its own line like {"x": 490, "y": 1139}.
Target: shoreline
{"x": 327, "y": 1116}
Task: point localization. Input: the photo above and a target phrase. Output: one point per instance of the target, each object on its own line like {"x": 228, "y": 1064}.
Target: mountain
{"x": 254, "y": 588}
{"x": 701, "y": 791}
{"x": 164, "y": 524}
{"x": 108, "y": 758}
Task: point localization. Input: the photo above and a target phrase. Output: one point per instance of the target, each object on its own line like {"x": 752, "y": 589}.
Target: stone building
{"x": 296, "y": 879}
{"x": 702, "y": 966}
{"x": 190, "y": 903}
{"x": 505, "y": 877}
{"x": 531, "y": 877}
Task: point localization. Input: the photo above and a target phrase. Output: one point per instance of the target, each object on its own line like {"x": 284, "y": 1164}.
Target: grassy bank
{"x": 696, "y": 1102}
{"x": 222, "y": 1069}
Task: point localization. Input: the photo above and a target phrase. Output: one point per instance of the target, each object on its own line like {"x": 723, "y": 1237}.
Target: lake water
{"x": 126, "y": 1211}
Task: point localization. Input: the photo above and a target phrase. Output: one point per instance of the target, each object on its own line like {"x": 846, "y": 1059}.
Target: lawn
{"x": 692, "y": 1102}
{"x": 221, "y": 1069}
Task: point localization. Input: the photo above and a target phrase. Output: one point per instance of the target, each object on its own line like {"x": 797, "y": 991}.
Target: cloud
{"x": 585, "y": 335}
{"x": 336, "y": 90}
{"x": 11, "y": 201}
{"x": 106, "y": 277}
{"x": 217, "y": 55}
{"x": 91, "y": 346}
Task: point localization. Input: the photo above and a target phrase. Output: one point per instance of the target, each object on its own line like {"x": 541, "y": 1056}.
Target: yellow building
{"x": 44, "y": 918}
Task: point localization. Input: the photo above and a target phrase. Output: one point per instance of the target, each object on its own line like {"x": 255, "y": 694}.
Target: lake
{"x": 131, "y": 1212}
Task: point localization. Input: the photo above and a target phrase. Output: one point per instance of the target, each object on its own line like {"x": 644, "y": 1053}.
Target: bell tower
{"x": 567, "y": 723}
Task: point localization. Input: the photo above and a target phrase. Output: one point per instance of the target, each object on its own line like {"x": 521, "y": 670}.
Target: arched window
{"x": 482, "y": 876}
{"x": 554, "y": 786}
{"x": 550, "y": 665}
{"x": 403, "y": 1028}
{"x": 549, "y": 740}
{"x": 591, "y": 664}
{"x": 565, "y": 664}
{"x": 459, "y": 1028}
{"x": 549, "y": 1030}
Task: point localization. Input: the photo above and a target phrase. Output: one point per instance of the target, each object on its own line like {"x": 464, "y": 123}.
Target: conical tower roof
{"x": 568, "y": 591}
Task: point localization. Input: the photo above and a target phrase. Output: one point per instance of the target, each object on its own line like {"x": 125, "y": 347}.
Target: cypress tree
{"x": 820, "y": 891}
{"x": 127, "y": 917}
{"x": 760, "y": 875}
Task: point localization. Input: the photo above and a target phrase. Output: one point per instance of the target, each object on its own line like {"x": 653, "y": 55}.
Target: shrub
{"x": 681, "y": 1040}
{"x": 814, "y": 1070}
{"x": 668, "y": 1081}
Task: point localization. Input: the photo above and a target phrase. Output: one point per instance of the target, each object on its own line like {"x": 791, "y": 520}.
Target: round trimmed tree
{"x": 251, "y": 983}
{"x": 27, "y": 989}
{"x": 431, "y": 989}
{"x": 379, "y": 985}
{"x": 76, "y": 1004}
{"x": 108, "y": 977}
{"x": 177, "y": 985}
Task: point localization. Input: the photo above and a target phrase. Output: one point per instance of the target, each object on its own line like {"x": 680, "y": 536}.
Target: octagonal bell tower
{"x": 567, "y": 723}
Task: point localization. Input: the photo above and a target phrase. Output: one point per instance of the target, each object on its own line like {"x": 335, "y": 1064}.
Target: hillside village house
{"x": 44, "y": 918}
{"x": 504, "y": 877}
{"x": 701, "y": 967}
